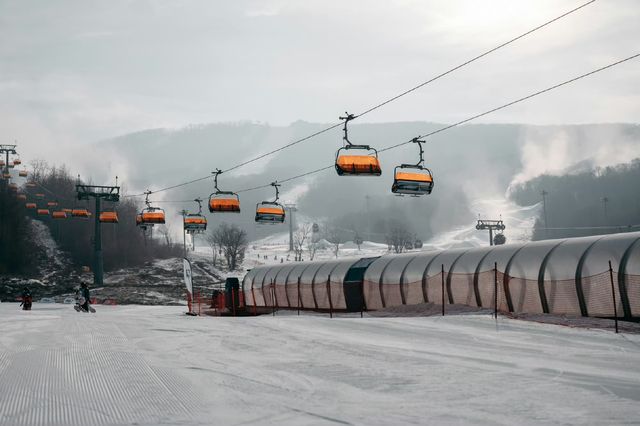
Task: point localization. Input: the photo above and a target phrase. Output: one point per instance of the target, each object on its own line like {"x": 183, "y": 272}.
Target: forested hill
{"x": 605, "y": 200}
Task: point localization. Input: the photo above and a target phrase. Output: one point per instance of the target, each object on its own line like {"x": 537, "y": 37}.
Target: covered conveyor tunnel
{"x": 567, "y": 277}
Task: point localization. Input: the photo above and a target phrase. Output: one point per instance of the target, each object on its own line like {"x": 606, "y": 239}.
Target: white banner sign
{"x": 187, "y": 277}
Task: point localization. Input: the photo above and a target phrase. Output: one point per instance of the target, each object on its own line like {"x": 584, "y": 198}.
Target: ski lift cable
{"x": 383, "y": 103}
{"x": 450, "y": 126}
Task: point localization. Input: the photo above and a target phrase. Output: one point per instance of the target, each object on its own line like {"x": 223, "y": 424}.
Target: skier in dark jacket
{"x": 84, "y": 292}
{"x": 26, "y": 299}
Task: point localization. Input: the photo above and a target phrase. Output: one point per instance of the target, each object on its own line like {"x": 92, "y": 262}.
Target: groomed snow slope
{"x": 153, "y": 365}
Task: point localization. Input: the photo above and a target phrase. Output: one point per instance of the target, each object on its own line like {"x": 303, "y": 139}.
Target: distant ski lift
{"x": 270, "y": 211}
{"x": 59, "y": 215}
{"x": 223, "y": 201}
{"x": 23, "y": 173}
{"x": 417, "y": 244}
{"x": 30, "y": 185}
{"x": 17, "y": 162}
{"x": 52, "y": 204}
{"x": 43, "y": 212}
{"x": 22, "y": 197}
{"x": 6, "y": 175}
{"x": 12, "y": 187}
{"x": 81, "y": 213}
{"x": 39, "y": 195}
{"x": 413, "y": 179}
{"x": 109, "y": 216}
{"x": 195, "y": 223}
{"x": 366, "y": 164}
{"x": 315, "y": 228}
{"x": 499, "y": 239}
{"x": 408, "y": 245}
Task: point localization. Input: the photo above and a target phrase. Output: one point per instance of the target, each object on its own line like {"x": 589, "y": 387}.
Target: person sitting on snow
{"x": 84, "y": 293}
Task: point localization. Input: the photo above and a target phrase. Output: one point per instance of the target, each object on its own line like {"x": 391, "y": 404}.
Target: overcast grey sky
{"x": 79, "y": 71}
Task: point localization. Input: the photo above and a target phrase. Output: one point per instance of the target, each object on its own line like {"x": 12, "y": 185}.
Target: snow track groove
{"x": 88, "y": 374}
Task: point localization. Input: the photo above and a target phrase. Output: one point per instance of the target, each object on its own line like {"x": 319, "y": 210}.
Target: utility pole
{"x": 107, "y": 193}
{"x": 491, "y": 225}
{"x": 292, "y": 208}
{"x": 367, "y": 197}
{"x": 544, "y": 209}
{"x": 605, "y": 200}
{"x": 6, "y": 150}
{"x": 184, "y": 234}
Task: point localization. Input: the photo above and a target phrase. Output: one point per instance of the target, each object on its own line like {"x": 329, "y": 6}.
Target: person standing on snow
{"x": 26, "y": 299}
{"x": 84, "y": 293}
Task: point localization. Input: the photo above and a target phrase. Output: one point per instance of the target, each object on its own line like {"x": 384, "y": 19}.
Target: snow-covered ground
{"x": 150, "y": 365}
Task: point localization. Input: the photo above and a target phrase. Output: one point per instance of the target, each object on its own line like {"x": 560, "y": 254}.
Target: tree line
{"x": 604, "y": 200}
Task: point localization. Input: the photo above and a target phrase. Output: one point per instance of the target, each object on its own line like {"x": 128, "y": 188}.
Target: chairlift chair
{"x": 109, "y": 216}
{"x": 59, "y": 215}
{"x": 412, "y": 179}
{"x": 6, "y": 175}
{"x": 42, "y": 212}
{"x": 270, "y": 211}
{"x": 223, "y": 201}
{"x": 31, "y": 206}
{"x": 499, "y": 239}
{"x": 12, "y": 187}
{"x": 30, "y": 185}
{"x": 39, "y": 195}
{"x": 17, "y": 162}
{"x": 23, "y": 173}
{"x": 365, "y": 164}
{"x": 52, "y": 204}
{"x": 195, "y": 222}
{"x": 150, "y": 215}
{"x": 81, "y": 213}
{"x": 22, "y": 197}
{"x": 417, "y": 244}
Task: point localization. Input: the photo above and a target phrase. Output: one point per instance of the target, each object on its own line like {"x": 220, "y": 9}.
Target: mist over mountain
{"x": 470, "y": 163}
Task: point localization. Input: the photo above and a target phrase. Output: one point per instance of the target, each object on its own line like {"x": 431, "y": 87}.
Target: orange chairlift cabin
{"x": 59, "y": 215}
{"x": 52, "y": 204}
{"x": 81, "y": 213}
{"x": 43, "y": 212}
{"x": 223, "y": 201}
{"x": 150, "y": 216}
{"x": 17, "y": 162}
{"x": 23, "y": 173}
{"x": 413, "y": 179}
{"x": 363, "y": 164}
{"x": 195, "y": 223}
{"x": 39, "y": 195}
{"x": 30, "y": 184}
{"x": 22, "y": 197}
{"x": 270, "y": 211}
{"x": 31, "y": 206}
{"x": 109, "y": 216}
{"x": 6, "y": 175}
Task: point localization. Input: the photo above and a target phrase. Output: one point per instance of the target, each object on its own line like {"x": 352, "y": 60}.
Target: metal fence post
{"x": 495, "y": 290}
{"x": 613, "y": 294}
{"x": 329, "y": 294}
{"x": 442, "y": 273}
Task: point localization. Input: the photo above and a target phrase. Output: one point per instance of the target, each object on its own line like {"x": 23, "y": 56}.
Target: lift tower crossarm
{"x": 491, "y": 225}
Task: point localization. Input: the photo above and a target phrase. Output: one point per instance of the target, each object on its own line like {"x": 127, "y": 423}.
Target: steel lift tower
{"x": 107, "y": 193}
{"x": 7, "y": 150}
{"x": 491, "y": 225}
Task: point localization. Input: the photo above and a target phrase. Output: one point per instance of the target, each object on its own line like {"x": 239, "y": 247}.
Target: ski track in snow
{"x": 154, "y": 365}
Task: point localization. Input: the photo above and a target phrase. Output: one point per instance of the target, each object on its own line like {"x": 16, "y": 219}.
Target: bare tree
{"x": 398, "y": 236}
{"x": 211, "y": 240}
{"x": 233, "y": 242}
{"x": 299, "y": 237}
{"x": 335, "y": 236}
{"x": 165, "y": 231}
